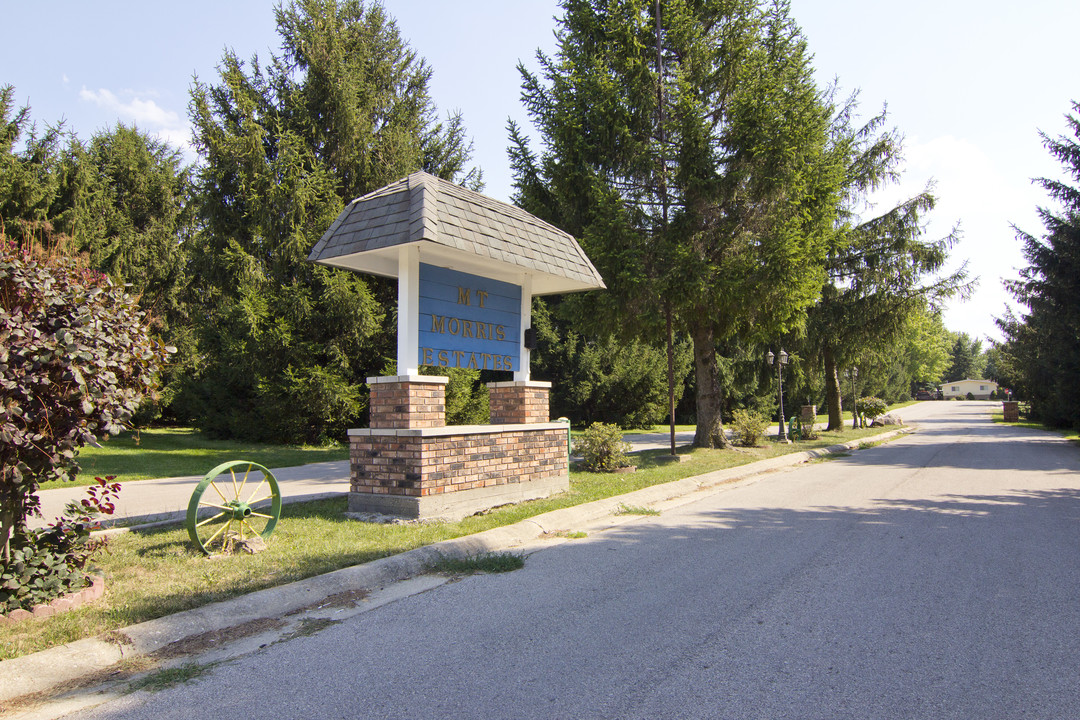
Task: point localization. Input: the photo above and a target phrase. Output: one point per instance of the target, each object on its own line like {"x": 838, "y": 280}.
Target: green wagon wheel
{"x": 237, "y": 499}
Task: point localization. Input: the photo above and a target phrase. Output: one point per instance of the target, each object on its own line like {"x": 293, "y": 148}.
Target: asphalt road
{"x": 932, "y": 577}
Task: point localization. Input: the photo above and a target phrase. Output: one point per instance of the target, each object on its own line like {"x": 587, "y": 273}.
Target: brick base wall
{"x": 418, "y": 466}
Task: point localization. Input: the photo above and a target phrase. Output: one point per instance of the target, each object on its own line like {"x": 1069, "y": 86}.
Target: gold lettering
{"x": 454, "y": 326}
{"x": 444, "y": 359}
{"x": 508, "y": 362}
{"x": 427, "y": 356}
{"x": 466, "y": 328}
{"x": 482, "y": 294}
{"x": 458, "y": 354}
{"x": 438, "y": 324}
{"x": 500, "y": 333}
{"x": 486, "y": 357}
{"x": 482, "y": 331}
{"x": 463, "y": 296}
{"x": 472, "y": 361}
{"x": 498, "y": 362}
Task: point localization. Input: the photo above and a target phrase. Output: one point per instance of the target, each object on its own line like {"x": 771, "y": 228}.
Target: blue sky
{"x": 968, "y": 83}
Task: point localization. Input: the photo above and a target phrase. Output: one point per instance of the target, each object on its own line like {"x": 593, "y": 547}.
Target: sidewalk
{"x": 167, "y": 498}
{"x": 162, "y": 637}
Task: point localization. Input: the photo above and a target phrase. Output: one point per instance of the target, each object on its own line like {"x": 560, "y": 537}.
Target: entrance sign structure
{"x": 467, "y": 268}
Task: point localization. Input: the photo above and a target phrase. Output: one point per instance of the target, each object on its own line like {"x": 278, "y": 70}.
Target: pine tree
{"x": 882, "y": 271}
{"x": 1042, "y": 348}
{"x": 342, "y": 111}
{"x": 685, "y": 146}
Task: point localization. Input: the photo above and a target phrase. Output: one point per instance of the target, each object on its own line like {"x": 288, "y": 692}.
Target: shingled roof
{"x": 456, "y": 228}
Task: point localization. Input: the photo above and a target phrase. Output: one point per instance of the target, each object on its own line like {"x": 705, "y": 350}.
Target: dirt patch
{"x": 346, "y": 598}
{"x": 121, "y": 671}
{"x": 116, "y": 638}
{"x": 214, "y": 638}
{"x": 310, "y": 626}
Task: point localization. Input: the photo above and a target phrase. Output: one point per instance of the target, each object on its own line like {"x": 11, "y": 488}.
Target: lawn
{"x": 177, "y": 452}
{"x": 157, "y": 572}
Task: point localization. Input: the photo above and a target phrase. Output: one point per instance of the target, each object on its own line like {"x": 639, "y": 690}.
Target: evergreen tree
{"x": 1042, "y": 348}
{"x": 965, "y": 358}
{"x": 344, "y": 110}
{"x": 881, "y": 271}
{"x": 122, "y": 203}
{"x": 30, "y": 177}
{"x": 685, "y": 146}
{"x": 603, "y": 379}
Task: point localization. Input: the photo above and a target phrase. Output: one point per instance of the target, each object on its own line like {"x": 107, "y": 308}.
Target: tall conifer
{"x": 1042, "y": 348}
{"x": 714, "y": 205}
{"x": 343, "y": 110}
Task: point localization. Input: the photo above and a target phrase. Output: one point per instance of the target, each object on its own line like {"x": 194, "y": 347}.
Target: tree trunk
{"x": 833, "y": 395}
{"x": 710, "y": 426}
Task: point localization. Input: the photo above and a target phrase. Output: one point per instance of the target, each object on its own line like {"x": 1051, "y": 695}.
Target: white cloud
{"x": 150, "y": 117}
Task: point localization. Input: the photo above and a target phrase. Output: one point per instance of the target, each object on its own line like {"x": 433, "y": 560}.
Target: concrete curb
{"x": 56, "y": 666}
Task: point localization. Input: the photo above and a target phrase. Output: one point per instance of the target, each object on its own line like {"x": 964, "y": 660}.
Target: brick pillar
{"x": 408, "y": 401}
{"x": 519, "y": 402}
{"x": 1012, "y": 410}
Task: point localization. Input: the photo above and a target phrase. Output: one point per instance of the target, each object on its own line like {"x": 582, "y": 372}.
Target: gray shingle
{"x": 424, "y": 207}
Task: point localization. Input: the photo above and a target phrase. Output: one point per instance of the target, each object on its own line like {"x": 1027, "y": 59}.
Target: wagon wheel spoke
{"x": 258, "y": 487}
{"x": 209, "y": 520}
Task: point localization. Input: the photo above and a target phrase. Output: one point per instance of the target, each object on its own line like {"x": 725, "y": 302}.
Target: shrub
{"x": 603, "y": 448}
{"x": 76, "y": 360}
{"x": 970, "y": 396}
{"x": 748, "y": 427}
{"x": 806, "y": 430}
{"x": 870, "y": 407}
{"x": 51, "y": 562}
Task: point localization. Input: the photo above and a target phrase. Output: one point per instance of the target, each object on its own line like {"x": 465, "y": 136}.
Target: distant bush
{"x": 602, "y": 447}
{"x": 748, "y": 427}
{"x": 870, "y": 407}
{"x": 970, "y": 396}
{"x": 805, "y": 430}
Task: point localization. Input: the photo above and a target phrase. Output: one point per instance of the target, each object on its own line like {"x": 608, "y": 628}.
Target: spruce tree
{"x": 343, "y": 110}
{"x": 1042, "y": 348}
{"x": 882, "y": 270}
{"x": 685, "y": 145}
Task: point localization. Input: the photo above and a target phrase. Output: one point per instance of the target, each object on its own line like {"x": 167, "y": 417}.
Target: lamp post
{"x": 853, "y": 373}
{"x": 781, "y": 361}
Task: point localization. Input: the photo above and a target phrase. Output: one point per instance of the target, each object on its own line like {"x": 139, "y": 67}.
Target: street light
{"x": 853, "y": 373}
{"x": 781, "y": 362}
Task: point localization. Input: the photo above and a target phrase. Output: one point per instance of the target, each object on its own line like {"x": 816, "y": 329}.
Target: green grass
{"x": 176, "y": 452}
{"x": 495, "y": 562}
{"x": 170, "y": 677}
{"x": 158, "y": 572}
{"x": 636, "y": 510}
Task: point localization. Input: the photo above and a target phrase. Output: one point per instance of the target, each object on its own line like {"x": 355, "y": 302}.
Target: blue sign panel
{"x": 468, "y": 321}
